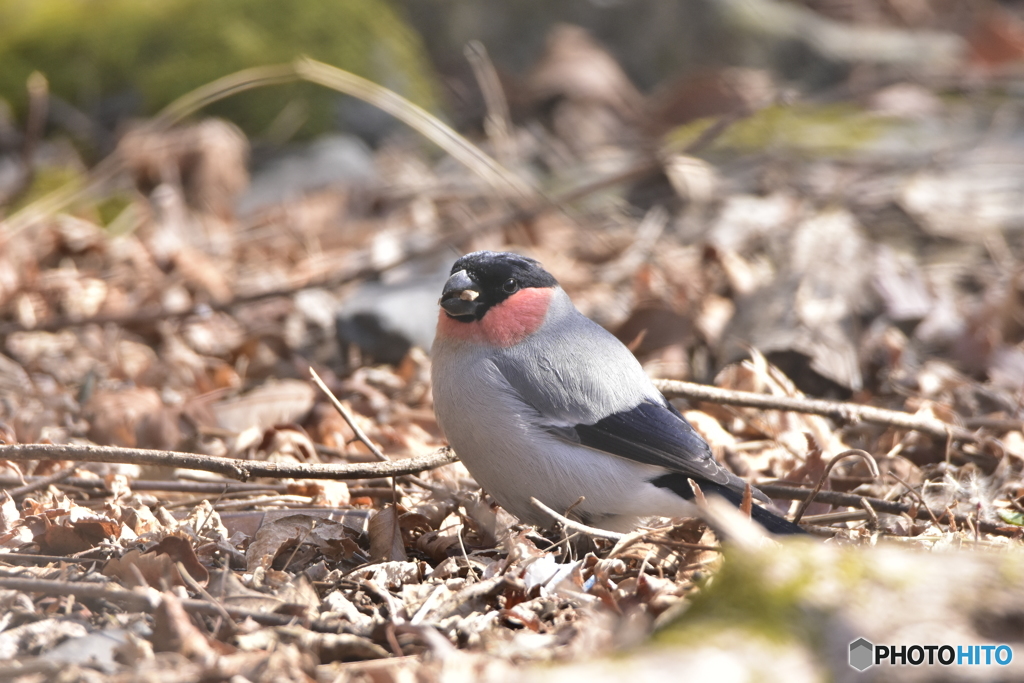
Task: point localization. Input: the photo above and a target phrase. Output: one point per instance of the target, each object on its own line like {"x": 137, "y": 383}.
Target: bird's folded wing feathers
{"x": 656, "y": 435}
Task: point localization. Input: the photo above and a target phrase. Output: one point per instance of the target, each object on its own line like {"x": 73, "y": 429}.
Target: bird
{"x": 539, "y": 401}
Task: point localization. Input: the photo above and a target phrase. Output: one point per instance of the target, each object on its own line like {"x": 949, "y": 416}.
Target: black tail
{"x": 772, "y": 522}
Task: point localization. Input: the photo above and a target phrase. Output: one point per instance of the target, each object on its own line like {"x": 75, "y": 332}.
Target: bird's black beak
{"x": 461, "y": 296}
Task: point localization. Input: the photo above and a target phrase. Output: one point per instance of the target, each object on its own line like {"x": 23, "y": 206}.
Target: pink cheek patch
{"x": 517, "y": 317}
{"x": 504, "y": 325}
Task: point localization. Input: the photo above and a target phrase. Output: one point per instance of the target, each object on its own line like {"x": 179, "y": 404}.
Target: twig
{"x": 349, "y": 418}
{"x": 198, "y": 487}
{"x": 32, "y": 558}
{"x": 224, "y": 87}
{"x": 748, "y": 500}
{"x": 148, "y": 601}
{"x": 577, "y": 526}
{"x": 837, "y": 410}
{"x": 872, "y": 515}
{"x": 230, "y": 467}
{"x": 196, "y": 588}
{"x": 728, "y": 523}
{"x": 914, "y": 492}
{"x": 833, "y": 517}
{"x": 853, "y": 452}
{"x": 41, "y": 483}
{"x": 888, "y": 507}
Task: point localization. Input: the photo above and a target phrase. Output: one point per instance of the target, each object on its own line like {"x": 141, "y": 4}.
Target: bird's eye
{"x": 510, "y": 285}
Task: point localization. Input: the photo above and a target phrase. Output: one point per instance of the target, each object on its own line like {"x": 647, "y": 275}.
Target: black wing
{"x": 655, "y": 434}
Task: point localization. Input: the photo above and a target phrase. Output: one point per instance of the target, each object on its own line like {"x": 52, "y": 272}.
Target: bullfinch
{"x": 540, "y": 401}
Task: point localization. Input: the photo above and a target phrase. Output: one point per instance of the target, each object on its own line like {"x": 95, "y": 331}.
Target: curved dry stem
{"x": 576, "y": 526}
{"x": 419, "y": 119}
{"x": 222, "y": 88}
{"x": 852, "y": 453}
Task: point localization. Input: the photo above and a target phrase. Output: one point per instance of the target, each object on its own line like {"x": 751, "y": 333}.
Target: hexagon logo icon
{"x": 861, "y": 654}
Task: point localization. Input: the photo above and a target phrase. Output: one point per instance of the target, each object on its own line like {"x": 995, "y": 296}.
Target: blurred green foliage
{"x": 810, "y": 130}
{"x": 90, "y": 50}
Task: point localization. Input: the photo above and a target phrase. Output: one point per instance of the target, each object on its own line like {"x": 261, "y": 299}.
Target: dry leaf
{"x": 386, "y": 544}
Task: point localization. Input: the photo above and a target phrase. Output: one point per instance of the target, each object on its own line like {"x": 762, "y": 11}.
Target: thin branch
{"x": 834, "y": 517}
{"x": 349, "y": 417}
{"x": 912, "y": 491}
{"x": 32, "y": 558}
{"x": 198, "y": 487}
{"x": 147, "y": 601}
{"x": 41, "y": 483}
{"x": 837, "y": 410}
{"x": 887, "y": 506}
{"x": 577, "y": 526}
{"x": 229, "y": 467}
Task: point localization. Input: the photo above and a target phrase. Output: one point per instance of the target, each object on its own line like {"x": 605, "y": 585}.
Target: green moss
{"x": 781, "y": 595}
{"x": 1011, "y": 516}
{"x": 821, "y": 130}
{"x": 110, "y": 208}
{"x": 46, "y": 180}
{"x": 740, "y": 595}
{"x": 161, "y": 49}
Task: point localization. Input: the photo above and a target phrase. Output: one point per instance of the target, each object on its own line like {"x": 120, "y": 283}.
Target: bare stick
{"x": 577, "y": 526}
{"x": 230, "y": 467}
{"x": 912, "y": 491}
{"x": 837, "y": 410}
{"x": 198, "y": 487}
{"x": 32, "y": 558}
{"x": 886, "y": 506}
{"x": 41, "y": 483}
{"x": 143, "y": 601}
{"x": 349, "y": 418}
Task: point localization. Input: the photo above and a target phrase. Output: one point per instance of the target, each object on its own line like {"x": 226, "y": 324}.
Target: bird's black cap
{"x": 486, "y": 278}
